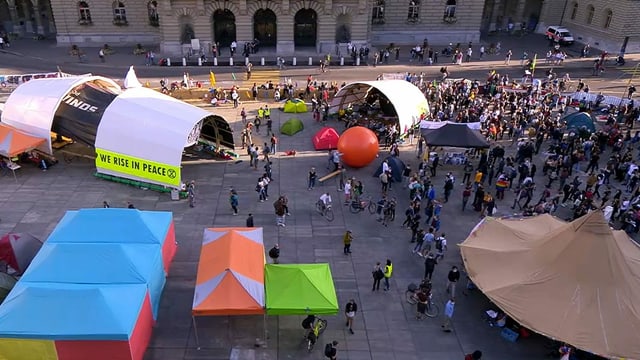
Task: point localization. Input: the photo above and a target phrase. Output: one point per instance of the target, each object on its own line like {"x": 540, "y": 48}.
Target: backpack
{"x": 328, "y": 350}
{"x": 439, "y": 243}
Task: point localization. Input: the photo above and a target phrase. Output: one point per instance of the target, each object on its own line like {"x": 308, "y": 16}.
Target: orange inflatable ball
{"x": 359, "y": 146}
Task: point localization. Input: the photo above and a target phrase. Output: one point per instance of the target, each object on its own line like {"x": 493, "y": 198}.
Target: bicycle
{"x": 325, "y": 210}
{"x": 411, "y": 295}
{"x": 360, "y": 205}
{"x": 318, "y": 328}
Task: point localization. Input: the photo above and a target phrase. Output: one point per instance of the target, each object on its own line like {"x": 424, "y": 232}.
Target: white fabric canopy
{"x": 31, "y": 106}
{"x": 146, "y": 124}
{"x": 407, "y": 99}
{"x": 131, "y": 80}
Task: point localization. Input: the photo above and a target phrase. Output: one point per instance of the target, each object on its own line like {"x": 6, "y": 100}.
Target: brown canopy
{"x": 577, "y": 282}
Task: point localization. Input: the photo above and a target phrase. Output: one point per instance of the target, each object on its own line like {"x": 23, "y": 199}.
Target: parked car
{"x": 559, "y": 35}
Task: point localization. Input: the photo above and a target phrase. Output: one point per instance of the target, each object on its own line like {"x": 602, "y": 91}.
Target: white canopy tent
{"x": 32, "y": 106}
{"x": 408, "y": 101}
{"x": 146, "y": 124}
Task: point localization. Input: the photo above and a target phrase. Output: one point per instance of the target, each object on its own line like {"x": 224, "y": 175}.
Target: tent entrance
{"x": 215, "y": 129}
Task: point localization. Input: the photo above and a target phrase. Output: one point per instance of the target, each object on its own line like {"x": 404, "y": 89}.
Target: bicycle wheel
{"x": 411, "y": 297}
{"x": 328, "y": 214}
{"x": 309, "y": 345}
{"x": 318, "y": 207}
{"x": 355, "y": 207}
{"x": 372, "y": 207}
{"x": 432, "y": 309}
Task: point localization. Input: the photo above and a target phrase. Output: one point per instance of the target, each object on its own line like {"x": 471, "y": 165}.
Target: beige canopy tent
{"x": 576, "y": 282}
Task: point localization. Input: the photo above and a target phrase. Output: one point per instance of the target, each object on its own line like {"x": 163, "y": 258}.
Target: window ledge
{"x": 449, "y": 19}
{"x": 120, "y": 22}
{"x": 413, "y": 20}
{"x": 84, "y": 22}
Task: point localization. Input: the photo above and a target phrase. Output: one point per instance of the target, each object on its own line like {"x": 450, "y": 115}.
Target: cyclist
{"x": 325, "y": 201}
{"x": 307, "y": 325}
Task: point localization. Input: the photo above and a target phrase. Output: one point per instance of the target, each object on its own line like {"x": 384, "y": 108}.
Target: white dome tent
{"x": 137, "y": 133}
{"x": 408, "y": 101}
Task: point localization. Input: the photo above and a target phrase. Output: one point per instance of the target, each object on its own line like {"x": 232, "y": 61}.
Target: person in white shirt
{"x": 385, "y": 166}
{"x": 325, "y": 200}
{"x": 347, "y": 192}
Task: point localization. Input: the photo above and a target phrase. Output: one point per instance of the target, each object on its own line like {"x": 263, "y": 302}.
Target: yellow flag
{"x": 212, "y": 78}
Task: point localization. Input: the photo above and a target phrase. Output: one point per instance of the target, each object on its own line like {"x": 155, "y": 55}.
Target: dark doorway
{"x": 305, "y": 28}
{"x": 264, "y": 27}
{"x": 224, "y": 27}
{"x": 215, "y": 129}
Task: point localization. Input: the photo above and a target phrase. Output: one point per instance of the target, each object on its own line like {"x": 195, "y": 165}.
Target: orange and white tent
{"x": 230, "y": 278}
{"x": 14, "y": 142}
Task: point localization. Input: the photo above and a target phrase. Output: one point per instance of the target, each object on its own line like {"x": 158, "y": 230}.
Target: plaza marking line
{"x": 140, "y": 168}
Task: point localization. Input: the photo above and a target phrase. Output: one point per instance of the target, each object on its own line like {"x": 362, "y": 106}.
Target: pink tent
{"x": 17, "y": 250}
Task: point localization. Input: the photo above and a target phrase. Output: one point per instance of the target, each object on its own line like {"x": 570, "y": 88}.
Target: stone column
{"x": 13, "y": 13}
{"x": 38, "y": 16}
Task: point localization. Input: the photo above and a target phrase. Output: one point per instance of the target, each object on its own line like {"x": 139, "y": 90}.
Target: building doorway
{"x": 264, "y": 27}
{"x": 343, "y": 28}
{"x": 224, "y": 27}
{"x": 305, "y": 28}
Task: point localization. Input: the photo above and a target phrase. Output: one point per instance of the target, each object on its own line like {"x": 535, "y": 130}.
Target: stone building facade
{"x": 604, "y": 24}
{"x": 289, "y": 25}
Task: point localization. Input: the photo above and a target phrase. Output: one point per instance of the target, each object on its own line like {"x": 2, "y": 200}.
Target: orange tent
{"x": 230, "y": 278}
{"x": 14, "y": 142}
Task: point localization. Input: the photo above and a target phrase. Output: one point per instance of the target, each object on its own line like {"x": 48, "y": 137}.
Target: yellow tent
{"x": 295, "y": 106}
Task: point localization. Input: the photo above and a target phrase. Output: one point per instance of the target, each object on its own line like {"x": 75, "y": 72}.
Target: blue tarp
{"x": 71, "y": 311}
{"x": 112, "y": 226}
{"x": 78, "y": 263}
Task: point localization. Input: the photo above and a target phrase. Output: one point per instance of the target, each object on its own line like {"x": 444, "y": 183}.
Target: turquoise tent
{"x": 580, "y": 120}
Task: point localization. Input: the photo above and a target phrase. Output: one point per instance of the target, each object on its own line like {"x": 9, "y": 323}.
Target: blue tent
{"x": 100, "y": 264}
{"x": 579, "y": 120}
{"x": 55, "y": 311}
{"x": 112, "y": 226}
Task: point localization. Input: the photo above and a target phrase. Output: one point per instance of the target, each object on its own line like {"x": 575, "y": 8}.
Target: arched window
{"x": 84, "y": 13}
{"x": 119, "y": 13}
{"x": 608, "y": 18}
{"x": 414, "y": 11}
{"x": 377, "y": 16}
{"x": 450, "y": 9}
{"x": 152, "y": 9}
{"x": 574, "y": 10}
{"x": 590, "y": 11}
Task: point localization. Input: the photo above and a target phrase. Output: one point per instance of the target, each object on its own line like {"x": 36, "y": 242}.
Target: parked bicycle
{"x": 411, "y": 295}
{"x": 325, "y": 210}
{"x": 360, "y": 205}
{"x": 314, "y": 327}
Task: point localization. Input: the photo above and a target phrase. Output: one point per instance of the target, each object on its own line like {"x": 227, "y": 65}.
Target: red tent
{"x": 17, "y": 250}
{"x": 326, "y": 139}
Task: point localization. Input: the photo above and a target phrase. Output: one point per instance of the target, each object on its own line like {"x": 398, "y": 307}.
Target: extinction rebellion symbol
{"x": 171, "y": 173}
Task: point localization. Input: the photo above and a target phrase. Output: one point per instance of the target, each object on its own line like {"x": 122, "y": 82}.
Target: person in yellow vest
{"x": 388, "y": 270}
{"x": 267, "y": 112}
{"x": 261, "y": 113}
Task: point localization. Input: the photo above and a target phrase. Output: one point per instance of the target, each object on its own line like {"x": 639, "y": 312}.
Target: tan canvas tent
{"x": 577, "y": 282}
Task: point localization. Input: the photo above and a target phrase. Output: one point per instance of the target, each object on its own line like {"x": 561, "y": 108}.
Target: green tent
{"x": 300, "y": 289}
{"x": 291, "y": 127}
{"x": 295, "y": 106}
{"x": 6, "y": 284}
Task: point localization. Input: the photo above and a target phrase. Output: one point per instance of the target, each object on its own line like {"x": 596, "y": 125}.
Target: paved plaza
{"x": 385, "y": 326}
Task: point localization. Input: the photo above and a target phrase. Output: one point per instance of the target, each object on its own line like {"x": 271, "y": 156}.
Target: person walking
{"x": 249, "y": 220}
{"x": 233, "y": 200}
{"x": 105, "y": 205}
{"x": 191, "y": 193}
{"x": 466, "y": 193}
{"x": 330, "y": 350}
{"x": 313, "y": 176}
{"x": 274, "y": 254}
{"x": 441, "y": 246}
{"x": 429, "y": 266}
{"x": 350, "y": 312}
{"x": 280, "y": 211}
{"x": 448, "y": 315}
{"x": 507, "y": 59}
{"x": 101, "y": 55}
{"x": 452, "y": 277}
{"x": 347, "y": 239}
{"x": 388, "y": 271}
{"x": 378, "y": 275}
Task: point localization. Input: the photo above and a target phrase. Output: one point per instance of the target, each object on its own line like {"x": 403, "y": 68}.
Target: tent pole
{"x": 195, "y": 331}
